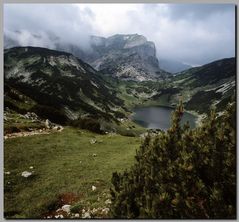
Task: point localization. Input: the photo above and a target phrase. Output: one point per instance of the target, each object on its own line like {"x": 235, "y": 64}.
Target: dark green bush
{"x": 11, "y": 129}
{"x": 88, "y": 123}
{"x": 182, "y": 173}
{"x": 53, "y": 114}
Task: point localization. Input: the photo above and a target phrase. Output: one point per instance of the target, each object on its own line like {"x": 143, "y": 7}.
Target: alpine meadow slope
{"x": 101, "y": 164}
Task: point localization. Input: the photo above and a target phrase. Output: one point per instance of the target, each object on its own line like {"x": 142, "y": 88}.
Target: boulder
{"x": 108, "y": 201}
{"x": 26, "y": 174}
{"x": 47, "y": 124}
{"x": 77, "y": 215}
{"x": 66, "y": 208}
{"x": 105, "y": 210}
{"x": 93, "y": 141}
{"x": 86, "y": 215}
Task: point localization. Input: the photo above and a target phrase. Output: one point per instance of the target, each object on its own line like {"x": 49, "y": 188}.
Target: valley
{"x": 119, "y": 111}
{"x": 70, "y": 168}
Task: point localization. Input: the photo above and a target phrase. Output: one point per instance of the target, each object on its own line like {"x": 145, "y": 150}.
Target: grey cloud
{"x": 67, "y": 22}
{"x": 194, "y": 33}
{"x": 191, "y": 33}
{"x": 199, "y": 11}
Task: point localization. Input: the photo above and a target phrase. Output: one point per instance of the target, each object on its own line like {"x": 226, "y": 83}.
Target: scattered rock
{"x": 31, "y": 116}
{"x": 94, "y": 154}
{"x": 31, "y": 167}
{"x": 105, "y": 210}
{"x": 66, "y": 208}
{"x": 7, "y": 173}
{"x": 93, "y": 188}
{"x": 77, "y": 215}
{"x": 86, "y": 215}
{"x": 93, "y": 141}
{"x": 108, "y": 201}
{"x": 60, "y": 128}
{"x": 26, "y": 174}
{"x": 94, "y": 211}
{"x": 47, "y": 124}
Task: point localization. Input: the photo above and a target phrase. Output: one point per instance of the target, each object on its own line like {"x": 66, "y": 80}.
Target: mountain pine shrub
{"x": 182, "y": 173}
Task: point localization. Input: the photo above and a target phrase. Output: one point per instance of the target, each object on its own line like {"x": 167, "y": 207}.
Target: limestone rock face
{"x": 125, "y": 56}
{"x": 129, "y": 57}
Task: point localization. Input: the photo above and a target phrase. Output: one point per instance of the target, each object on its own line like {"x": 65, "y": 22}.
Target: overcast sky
{"x": 191, "y": 33}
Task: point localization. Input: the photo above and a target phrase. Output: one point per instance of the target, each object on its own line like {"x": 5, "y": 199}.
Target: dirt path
{"x": 31, "y": 133}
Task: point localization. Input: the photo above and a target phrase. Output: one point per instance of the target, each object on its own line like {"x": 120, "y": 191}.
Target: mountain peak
{"x": 128, "y": 56}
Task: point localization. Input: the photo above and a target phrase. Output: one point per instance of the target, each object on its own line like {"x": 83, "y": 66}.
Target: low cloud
{"x": 191, "y": 33}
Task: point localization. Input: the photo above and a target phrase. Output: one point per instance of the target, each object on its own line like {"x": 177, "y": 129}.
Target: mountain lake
{"x": 159, "y": 117}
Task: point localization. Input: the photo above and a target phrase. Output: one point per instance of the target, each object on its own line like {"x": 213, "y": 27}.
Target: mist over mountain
{"x": 129, "y": 57}
{"x": 189, "y": 33}
{"x": 172, "y": 66}
{"x": 115, "y": 111}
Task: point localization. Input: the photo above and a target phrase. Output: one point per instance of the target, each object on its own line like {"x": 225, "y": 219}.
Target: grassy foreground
{"x": 63, "y": 163}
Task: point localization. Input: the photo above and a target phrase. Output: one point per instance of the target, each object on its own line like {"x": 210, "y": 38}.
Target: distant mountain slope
{"x": 129, "y": 57}
{"x": 59, "y": 82}
{"x": 210, "y": 73}
{"x": 213, "y": 84}
{"x": 202, "y": 87}
{"x": 173, "y": 66}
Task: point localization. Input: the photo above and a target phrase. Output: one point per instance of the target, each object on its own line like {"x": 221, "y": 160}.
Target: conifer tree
{"x": 182, "y": 173}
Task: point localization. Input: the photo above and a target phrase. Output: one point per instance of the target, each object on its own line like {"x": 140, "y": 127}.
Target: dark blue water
{"x": 158, "y": 117}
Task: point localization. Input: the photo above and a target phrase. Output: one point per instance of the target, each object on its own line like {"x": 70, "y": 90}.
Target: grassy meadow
{"x": 64, "y": 163}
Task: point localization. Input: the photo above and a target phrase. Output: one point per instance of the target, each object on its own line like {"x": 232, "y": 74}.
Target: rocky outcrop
{"x": 129, "y": 57}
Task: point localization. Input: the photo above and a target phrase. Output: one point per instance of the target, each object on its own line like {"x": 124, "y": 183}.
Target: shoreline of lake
{"x": 148, "y": 120}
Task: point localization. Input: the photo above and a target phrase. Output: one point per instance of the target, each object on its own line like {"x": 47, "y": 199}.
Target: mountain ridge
{"x": 130, "y": 57}
{"x": 60, "y": 81}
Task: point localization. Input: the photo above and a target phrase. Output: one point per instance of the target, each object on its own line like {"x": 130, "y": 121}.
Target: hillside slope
{"x": 199, "y": 88}
{"x": 202, "y": 87}
{"x": 58, "y": 82}
{"x": 127, "y": 57}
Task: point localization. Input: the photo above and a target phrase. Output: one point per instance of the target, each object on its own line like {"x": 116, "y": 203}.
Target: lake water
{"x": 159, "y": 117}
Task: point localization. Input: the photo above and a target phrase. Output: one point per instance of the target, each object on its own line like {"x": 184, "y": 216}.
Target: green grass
{"x": 63, "y": 162}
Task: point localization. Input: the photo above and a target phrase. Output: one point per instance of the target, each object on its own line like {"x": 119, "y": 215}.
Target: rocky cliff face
{"x": 124, "y": 56}
{"x": 129, "y": 57}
